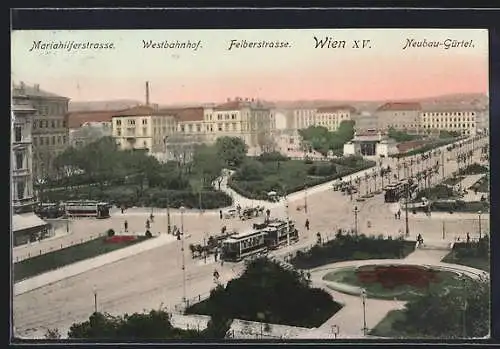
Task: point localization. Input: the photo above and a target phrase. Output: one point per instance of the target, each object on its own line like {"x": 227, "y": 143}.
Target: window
{"x": 182, "y": 128}
{"x": 20, "y": 190}
{"x": 198, "y": 128}
{"x": 18, "y": 133}
{"x": 59, "y": 139}
{"x": 53, "y": 140}
{"x": 35, "y": 124}
{"x": 118, "y": 122}
{"x": 144, "y": 121}
{"x": 35, "y": 141}
{"x": 41, "y": 140}
{"x": 19, "y": 161}
{"x": 118, "y": 132}
{"x": 64, "y": 123}
{"x": 219, "y": 127}
{"x": 53, "y": 124}
{"x": 64, "y": 139}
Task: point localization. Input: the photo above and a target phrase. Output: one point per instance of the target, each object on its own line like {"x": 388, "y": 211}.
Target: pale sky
{"x": 213, "y": 73}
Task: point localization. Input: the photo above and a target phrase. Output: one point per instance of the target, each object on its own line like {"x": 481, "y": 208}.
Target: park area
{"x": 256, "y": 177}
{"x": 268, "y": 292}
{"x": 53, "y": 260}
{"x": 475, "y": 254}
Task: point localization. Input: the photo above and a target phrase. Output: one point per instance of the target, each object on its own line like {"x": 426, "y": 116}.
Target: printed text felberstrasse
{"x": 71, "y": 45}
{"x": 258, "y": 44}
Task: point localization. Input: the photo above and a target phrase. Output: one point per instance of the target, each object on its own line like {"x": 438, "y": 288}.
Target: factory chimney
{"x": 147, "y": 93}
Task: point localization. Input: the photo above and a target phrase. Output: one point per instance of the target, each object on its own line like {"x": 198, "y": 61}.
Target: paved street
{"x": 154, "y": 277}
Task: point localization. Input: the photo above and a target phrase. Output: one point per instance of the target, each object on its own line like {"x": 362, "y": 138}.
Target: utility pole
{"x": 183, "y": 259}
{"x": 305, "y": 199}
{"x": 199, "y": 197}
{"x": 442, "y": 163}
{"x": 169, "y": 228}
{"x": 407, "y": 226}
{"x": 287, "y": 221}
{"x": 356, "y": 219}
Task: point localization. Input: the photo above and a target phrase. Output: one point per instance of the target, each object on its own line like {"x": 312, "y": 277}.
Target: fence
{"x": 34, "y": 252}
{"x": 180, "y": 308}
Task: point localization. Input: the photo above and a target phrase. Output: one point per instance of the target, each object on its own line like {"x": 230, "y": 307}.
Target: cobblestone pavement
{"x": 154, "y": 277}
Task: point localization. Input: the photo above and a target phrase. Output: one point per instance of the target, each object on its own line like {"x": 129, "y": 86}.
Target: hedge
{"x": 151, "y": 197}
{"x": 425, "y": 148}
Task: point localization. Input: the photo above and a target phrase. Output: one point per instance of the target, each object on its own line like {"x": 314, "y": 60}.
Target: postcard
{"x": 250, "y": 184}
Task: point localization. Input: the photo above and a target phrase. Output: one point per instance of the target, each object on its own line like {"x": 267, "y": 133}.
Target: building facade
{"x": 303, "y": 118}
{"x": 332, "y": 117}
{"x": 370, "y": 143}
{"x": 142, "y": 128}
{"x": 460, "y": 119}
{"x": 402, "y": 116}
{"x": 50, "y": 133}
{"x": 21, "y": 156}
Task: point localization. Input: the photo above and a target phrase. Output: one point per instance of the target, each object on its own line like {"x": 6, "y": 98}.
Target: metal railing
{"x": 34, "y": 252}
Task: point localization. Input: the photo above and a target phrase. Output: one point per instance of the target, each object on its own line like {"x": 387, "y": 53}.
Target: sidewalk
{"x": 89, "y": 264}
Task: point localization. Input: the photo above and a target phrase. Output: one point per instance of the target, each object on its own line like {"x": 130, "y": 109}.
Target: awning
{"x": 26, "y": 221}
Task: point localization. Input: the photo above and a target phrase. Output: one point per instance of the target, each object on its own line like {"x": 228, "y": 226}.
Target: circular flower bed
{"x": 389, "y": 281}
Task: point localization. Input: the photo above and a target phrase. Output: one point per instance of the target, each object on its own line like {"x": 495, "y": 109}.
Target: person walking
{"x": 148, "y": 224}
{"x": 468, "y": 238}
{"x": 307, "y": 224}
{"x": 399, "y": 214}
{"x": 125, "y": 225}
{"x": 151, "y": 217}
{"x": 220, "y": 214}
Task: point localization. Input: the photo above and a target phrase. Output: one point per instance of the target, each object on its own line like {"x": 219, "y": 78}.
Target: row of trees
{"x": 322, "y": 140}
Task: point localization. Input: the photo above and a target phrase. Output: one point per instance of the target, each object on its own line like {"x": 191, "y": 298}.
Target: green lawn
{"x": 402, "y": 293}
{"x": 482, "y": 263}
{"x": 60, "y": 258}
{"x": 292, "y": 176}
{"x": 385, "y": 327}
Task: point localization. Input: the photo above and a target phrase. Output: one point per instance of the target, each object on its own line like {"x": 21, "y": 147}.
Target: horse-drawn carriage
{"x": 210, "y": 246}
{"x": 251, "y": 212}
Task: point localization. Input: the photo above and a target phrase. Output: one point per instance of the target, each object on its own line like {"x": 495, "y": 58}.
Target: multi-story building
{"x": 50, "y": 133}
{"x": 402, "y": 116}
{"x": 21, "y": 158}
{"x": 365, "y": 121}
{"x": 458, "y": 118}
{"x": 26, "y": 225}
{"x": 88, "y": 126}
{"x": 303, "y": 118}
{"x": 143, "y": 127}
{"x": 332, "y": 117}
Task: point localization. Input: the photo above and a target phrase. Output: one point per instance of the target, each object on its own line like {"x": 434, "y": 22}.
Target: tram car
{"x": 243, "y": 245}
{"x": 87, "y": 208}
{"x": 279, "y": 233}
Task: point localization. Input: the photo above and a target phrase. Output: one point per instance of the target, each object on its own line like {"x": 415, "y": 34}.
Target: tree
{"x": 442, "y": 314}
{"x": 266, "y": 142}
{"x": 232, "y": 150}
{"x": 153, "y": 325}
{"x": 52, "y": 334}
{"x": 207, "y": 163}
{"x": 250, "y": 170}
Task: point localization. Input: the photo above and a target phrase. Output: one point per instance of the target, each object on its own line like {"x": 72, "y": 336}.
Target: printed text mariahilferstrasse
{"x": 71, "y": 45}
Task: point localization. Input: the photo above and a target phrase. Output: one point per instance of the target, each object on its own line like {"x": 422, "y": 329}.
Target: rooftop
{"x": 185, "y": 114}
{"x": 333, "y": 109}
{"x": 239, "y": 103}
{"x": 456, "y": 107}
{"x": 78, "y": 118}
{"x": 397, "y": 106}
{"x": 33, "y": 91}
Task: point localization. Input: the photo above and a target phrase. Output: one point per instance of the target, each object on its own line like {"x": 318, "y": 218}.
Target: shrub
{"x": 110, "y": 232}
{"x": 273, "y": 156}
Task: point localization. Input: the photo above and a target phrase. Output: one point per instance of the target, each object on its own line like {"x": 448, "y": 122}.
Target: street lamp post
{"x": 182, "y": 209}
{"x": 305, "y": 199}
{"x": 363, "y": 299}
{"x": 94, "y": 289}
{"x": 169, "y": 228}
{"x": 356, "y": 210}
{"x": 205, "y": 247}
{"x": 287, "y": 221}
{"x": 407, "y": 226}
{"x": 479, "y": 213}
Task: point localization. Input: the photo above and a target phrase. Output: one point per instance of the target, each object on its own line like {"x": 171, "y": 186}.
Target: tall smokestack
{"x": 147, "y": 92}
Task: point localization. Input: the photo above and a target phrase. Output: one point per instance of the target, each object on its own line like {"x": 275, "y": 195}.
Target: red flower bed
{"x": 116, "y": 239}
{"x": 391, "y": 276}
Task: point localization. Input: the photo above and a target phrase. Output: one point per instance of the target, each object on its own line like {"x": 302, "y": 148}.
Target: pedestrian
{"x": 125, "y": 225}
{"x": 268, "y": 213}
{"x": 238, "y": 209}
{"x": 151, "y": 217}
{"x": 223, "y": 230}
{"x": 468, "y": 238}
{"x": 395, "y": 215}
{"x": 122, "y": 209}
{"x": 399, "y": 214}
{"x": 220, "y": 214}
{"x": 307, "y": 224}
{"x": 148, "y": 225}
